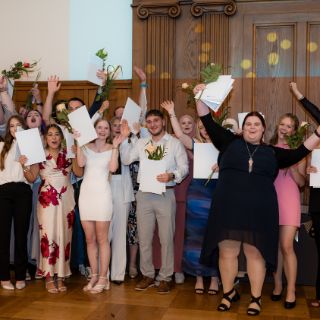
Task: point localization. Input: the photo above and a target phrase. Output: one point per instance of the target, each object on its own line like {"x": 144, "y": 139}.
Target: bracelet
{"x": 3, "y": 90}
{"x": 172, "y": 116}
{"x": 317, "y": 133}
{"x": 39, "y": 104}
{"x": 115, "y": 148}
{"x": 144, "y": 85}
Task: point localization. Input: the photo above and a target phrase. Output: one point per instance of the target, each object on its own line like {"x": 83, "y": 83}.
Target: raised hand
{"x": 36, "y": 93}
{"x": 294, "y": 88}
{"x": 117, "y": 141}
{"x": 199, "y": 87}
{"x": 168, "y": 106}
{"x": 54, "y": 84}
{"x": 124, "y": 129}
{"x": 3, "y": 84}
{"x": 105, "y": 105}
{"x": 140, "y": 73}
{"x": 102, "y": 75}
{"x": 23, "y": 160}
{"x": 136, "y": 127}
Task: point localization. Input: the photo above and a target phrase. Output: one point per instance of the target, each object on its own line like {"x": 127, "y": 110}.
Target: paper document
{"x": 205, "y": 155}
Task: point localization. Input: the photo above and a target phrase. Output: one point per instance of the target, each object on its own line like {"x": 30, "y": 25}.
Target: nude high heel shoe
{"x": 98, "y": 288}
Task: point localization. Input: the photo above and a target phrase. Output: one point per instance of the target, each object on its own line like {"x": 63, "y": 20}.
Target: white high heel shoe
{"x": 98, "y": 288}
{"x": 7, "y": 285}
{"x": 91, "y": 283}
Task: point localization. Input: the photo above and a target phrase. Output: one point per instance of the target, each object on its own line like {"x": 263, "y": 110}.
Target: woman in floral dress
{"x": 55, "y": 211}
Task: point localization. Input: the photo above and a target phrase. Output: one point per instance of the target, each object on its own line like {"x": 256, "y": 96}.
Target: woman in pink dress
{"x": 287, "y": 185}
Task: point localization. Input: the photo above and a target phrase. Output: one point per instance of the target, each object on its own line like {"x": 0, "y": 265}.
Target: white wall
{"x": 99, "y": 24}
{"x": 63, "y": 33}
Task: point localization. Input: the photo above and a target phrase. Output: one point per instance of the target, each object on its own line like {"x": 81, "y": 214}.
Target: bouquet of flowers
{"x": 112, "y": 73}
{"x": 18, "y": 69}
{"x": 207, "y": 75}
{"x": 155, "y": 153}
{"x": 62, "y": 116}
{"x": 296, "y": 139}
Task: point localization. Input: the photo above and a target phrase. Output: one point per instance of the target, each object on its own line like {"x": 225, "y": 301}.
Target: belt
{"x": 170, "y": 187}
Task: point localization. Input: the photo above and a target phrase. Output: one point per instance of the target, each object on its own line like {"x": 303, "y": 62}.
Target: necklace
{"x": 250, "y": 161}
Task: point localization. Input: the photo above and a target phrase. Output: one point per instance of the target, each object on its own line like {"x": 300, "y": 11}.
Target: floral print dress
{"x": 55, "y": 215}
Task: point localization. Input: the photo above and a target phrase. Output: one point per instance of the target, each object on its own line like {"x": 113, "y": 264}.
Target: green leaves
{"x": 210, "y": 73}
{"x": 295, "y": 140}
{"x": 102, "y": 54}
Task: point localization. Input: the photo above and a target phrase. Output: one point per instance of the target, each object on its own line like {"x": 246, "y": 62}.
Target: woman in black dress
{"x": 245, "y": 207}
{"x": 314, "y": 198}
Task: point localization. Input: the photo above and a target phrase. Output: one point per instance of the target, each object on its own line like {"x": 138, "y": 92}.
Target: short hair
{"x": 155, "y": 112}
{"x": 76, "y": 99}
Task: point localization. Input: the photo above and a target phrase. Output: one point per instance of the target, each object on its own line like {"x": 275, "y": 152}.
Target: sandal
{"x": 50, "y": 288}
{"x": 213, "y": 292}
{"x": 61, "y": 286}
{"x": 91, "y": 283}
{"x": 98, "y": 288}
{"x": 199, "y": 290}
{"x": 226, "y": 296}
{"x": 253, "y": 311}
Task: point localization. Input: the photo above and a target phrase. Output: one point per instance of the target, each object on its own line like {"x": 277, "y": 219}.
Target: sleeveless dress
{"x": 288, "y": 195}
{"x": 55, "y": 215}
{"x": 95, "y": 201}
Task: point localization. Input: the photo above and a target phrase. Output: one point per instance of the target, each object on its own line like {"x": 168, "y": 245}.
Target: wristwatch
{"x": 173, "y": 176}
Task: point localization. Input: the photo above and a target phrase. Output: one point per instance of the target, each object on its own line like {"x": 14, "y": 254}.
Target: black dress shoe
{"x": 117, "y": 282}
{"x": 290, "y": 305}
{"x": 276, "y": 297}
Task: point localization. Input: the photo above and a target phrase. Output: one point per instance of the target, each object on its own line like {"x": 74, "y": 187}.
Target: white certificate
{"x": 94, "y": 64}
{"x": 131, "y": 113}
{"x": 148, "y": 171}
{"x": 69, "y": 141}
{"x": 216, "y": 92}
{"x": 315, "y": 162}
{"x": 30, "y": 145}
{"x": 205, "y": 155}
{"x": 81, "y": 122}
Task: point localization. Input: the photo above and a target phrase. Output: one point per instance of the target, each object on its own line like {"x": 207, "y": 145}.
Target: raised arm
{"x": 53, "y": 87}
{"x": 287, "y": 157}
{"x": 143, "y": 89}
{"x": 5, "y": 97}
{"x": 114, "y": 162}
{"x": 185, "y": 139}
{"x": 309, "y": 106}
{"x": 37, "y": 97}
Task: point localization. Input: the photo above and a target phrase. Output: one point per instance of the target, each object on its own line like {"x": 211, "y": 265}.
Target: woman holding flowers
{"x": 287, "y": 186}
{"x": 247, "y": 169}
{"x": 199, "y": 199}
{"x": 95, "y": 202}
{"x": 15, "y": 204}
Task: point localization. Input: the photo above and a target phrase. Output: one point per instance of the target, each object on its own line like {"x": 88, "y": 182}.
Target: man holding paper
{"x": 155, "y": 198}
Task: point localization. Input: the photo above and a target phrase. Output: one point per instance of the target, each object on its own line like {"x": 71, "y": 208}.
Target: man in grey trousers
{"x": 152, "y": 207}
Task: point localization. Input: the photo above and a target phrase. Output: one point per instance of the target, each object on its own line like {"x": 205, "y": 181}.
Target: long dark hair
{"x": 8, "y": 139}
{"x": 53, "y": 125}
{"x": 295, "y": 121}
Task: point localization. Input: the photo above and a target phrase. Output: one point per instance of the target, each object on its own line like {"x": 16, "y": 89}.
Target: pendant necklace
{"x": 250, "y": 161}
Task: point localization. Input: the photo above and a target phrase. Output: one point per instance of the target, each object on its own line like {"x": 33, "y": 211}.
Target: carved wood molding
{"x": 229, "y": 8}
{"x": 172, "y": 10}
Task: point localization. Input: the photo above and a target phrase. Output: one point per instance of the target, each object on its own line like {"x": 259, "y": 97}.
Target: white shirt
{"x": 13, "y": 171}
{"x": 176, "y": 157}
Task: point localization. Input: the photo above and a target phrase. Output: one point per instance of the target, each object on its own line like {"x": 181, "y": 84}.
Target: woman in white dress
{"x": 95, "y": 202}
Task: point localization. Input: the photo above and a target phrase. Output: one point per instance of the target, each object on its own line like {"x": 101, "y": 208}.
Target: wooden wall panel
{"x": 84, "y": 90}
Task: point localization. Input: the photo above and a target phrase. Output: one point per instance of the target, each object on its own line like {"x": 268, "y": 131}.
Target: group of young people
{"x": 194, "y": 227}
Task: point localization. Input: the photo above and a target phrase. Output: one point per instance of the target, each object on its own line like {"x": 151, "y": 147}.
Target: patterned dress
{"x": 55, "y": 215}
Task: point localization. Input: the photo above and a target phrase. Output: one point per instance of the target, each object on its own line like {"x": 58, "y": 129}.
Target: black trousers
{"x": 16, "y": 206}
{"x": 316, "y": 225}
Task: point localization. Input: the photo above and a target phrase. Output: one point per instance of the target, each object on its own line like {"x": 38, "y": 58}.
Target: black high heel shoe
{"x": 254, "y": 311}
{"x": 222, "y": 306}
{"x": 276, "y": 297}
{"x": 290, "y": 305}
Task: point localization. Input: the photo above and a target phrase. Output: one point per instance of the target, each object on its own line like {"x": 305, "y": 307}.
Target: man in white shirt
{"x": 153, "y": 207}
